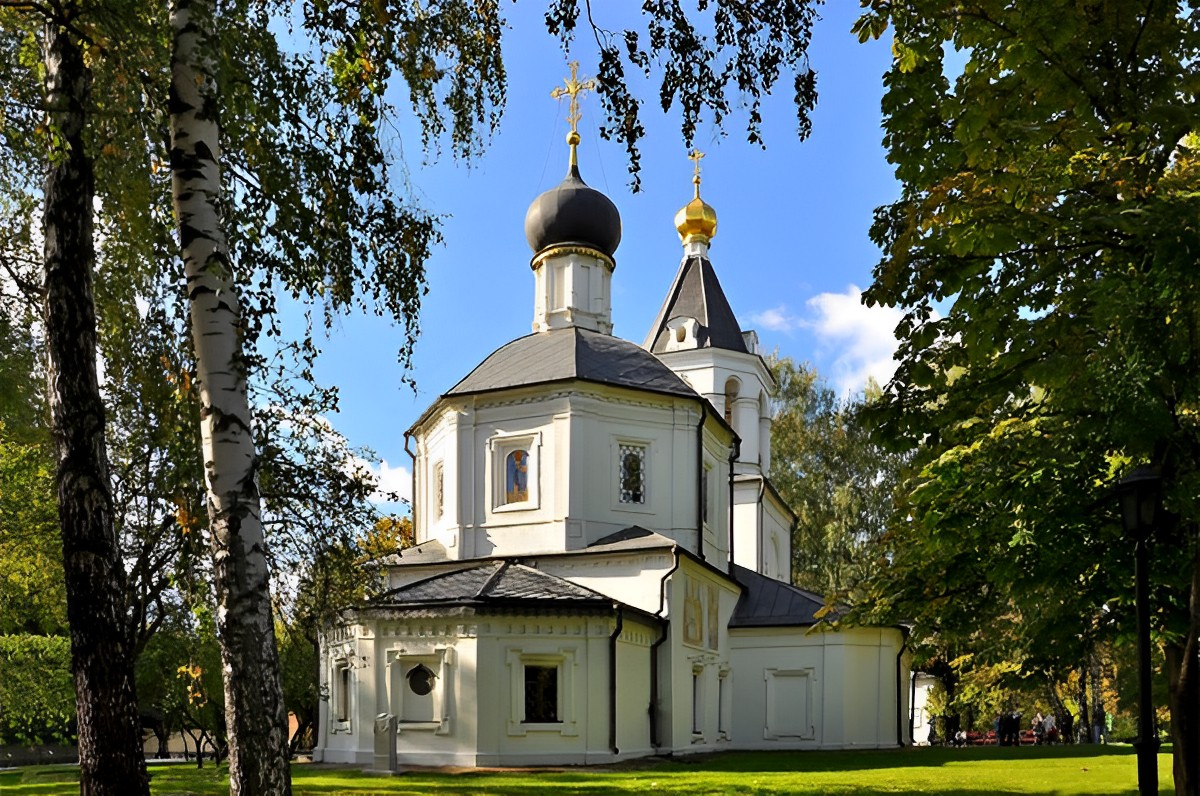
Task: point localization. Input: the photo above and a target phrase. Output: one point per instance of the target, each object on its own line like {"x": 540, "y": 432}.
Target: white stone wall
{"x": 762, "y": 530}
{"x": 579, "y": 649}
{"x": 924, "y": 685}
{"x": 574, "y": 438}
{"x": 634, "y": 578}
{"x": 633, "y": 688}
{"x": 709, "y": 371}
{"x": 691, "y": 667}
{"x": 818, "y": 690}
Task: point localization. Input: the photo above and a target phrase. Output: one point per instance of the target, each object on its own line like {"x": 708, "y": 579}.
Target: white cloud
{"x": 392, "y": 479}
{"x": 777, "y": 319}
{"x": 859, "y": 337}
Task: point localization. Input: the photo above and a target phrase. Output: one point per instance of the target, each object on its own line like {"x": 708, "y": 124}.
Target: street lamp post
{"x": 1139, "y": 493}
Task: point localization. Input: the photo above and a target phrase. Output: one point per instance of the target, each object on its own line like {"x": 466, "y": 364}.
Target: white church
{"x": 602, "y": 568}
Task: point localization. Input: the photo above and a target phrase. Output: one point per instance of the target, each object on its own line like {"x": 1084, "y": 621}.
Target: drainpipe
{"x": 700, "y": 479}
{"x": 662, "y": 605}
{"x": 735, "y": 451}
{"x": 612, "y": 680}
{"x": 899, "y": 700}
{"x": 762, "y": 491}
{"x": 912, "y": 713}
{"x": 413, "y": 486}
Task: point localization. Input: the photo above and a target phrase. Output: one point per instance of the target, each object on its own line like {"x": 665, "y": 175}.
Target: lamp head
{"x": 1140, "y": 496}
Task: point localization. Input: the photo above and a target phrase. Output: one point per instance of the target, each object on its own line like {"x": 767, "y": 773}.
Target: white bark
{"x": 257, "y": 722}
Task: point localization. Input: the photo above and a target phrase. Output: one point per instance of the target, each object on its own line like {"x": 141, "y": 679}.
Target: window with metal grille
{"x": 633, "y": 473}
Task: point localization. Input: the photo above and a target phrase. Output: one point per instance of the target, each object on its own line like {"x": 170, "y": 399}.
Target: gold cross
{"x": 573, "y": 89}
{"x": 696, "y": 157}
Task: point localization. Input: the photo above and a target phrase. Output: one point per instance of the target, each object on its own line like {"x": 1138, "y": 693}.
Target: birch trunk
{"x": 254, "y": 710}
{"x": 110, "y": 734}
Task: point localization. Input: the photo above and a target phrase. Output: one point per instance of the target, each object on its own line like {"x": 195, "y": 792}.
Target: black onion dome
{"x": 573, "y": 214}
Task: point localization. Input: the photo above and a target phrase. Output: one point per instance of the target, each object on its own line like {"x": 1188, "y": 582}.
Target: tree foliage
{"x": 834, "y": 476}
{"x": 32, "y": 598}
{"x": 37, "y": 693}
{"x": 1044, "y": 250}
{"x": 312, "y": 208}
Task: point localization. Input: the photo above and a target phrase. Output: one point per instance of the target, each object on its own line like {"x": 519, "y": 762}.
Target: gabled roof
{"x": 431, "y": 551}
{"x": 497, "y": 583}
{"x": 573, "y": 353}
{"x": 635, "y": 537}
{"x": 696, "y": 293}
{"x": 766, "y": 602}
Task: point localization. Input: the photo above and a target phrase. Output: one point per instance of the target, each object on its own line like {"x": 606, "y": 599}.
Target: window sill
{"x": 527, "y": 505}
{"x": 410, "y": 726}
{"x": 564, "y": 728}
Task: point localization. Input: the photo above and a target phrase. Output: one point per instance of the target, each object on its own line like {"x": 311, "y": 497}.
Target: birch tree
{"x": 110, "y": 754}
{"x": 312, "y": 209}
{"x": 255, "y": 716}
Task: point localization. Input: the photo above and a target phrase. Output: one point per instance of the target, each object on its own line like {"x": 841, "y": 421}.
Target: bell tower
{"x": 697, "y": 335}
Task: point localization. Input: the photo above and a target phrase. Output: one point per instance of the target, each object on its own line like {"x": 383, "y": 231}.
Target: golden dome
{"x": 697, "y": 220}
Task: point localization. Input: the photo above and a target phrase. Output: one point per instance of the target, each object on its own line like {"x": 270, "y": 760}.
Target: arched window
{"x": 516, "y": 476}
{"x": 732, "y": 388}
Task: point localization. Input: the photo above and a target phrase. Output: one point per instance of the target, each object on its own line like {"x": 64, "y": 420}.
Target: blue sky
{"x": 791, "y": 250}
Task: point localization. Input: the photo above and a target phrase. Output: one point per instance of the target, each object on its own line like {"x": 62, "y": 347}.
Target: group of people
{"x": 1008, "y": 729}
{"x": 1044, "y": 729}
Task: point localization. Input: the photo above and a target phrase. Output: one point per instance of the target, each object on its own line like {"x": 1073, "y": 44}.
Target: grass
{"x": 1083, "y": 770}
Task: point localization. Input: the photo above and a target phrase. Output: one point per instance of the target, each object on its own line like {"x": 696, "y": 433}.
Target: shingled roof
{"x": 495, "y": 583}
{"x": 635, "y": 537}
{"x": 766, "y": 602}
{"x": 572, "y": 353}
{"x": 696, "y": 293}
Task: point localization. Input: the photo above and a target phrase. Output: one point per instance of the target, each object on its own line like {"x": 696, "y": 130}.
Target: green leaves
{"x": 833, "y": 477}
{"x": 712, "y": 59}
{"x": 37, "y": 692}
{"x": 1046, "y": 206}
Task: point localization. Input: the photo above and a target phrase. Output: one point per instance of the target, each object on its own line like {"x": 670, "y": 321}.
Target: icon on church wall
{"x": 438, "y": 489}
{"x": 714, "y": 617}
{"x": 693, "y": 613}
{"x": 517, "y": 477}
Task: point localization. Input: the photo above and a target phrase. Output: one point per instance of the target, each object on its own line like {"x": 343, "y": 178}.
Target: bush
{"x": 37, "y": 692}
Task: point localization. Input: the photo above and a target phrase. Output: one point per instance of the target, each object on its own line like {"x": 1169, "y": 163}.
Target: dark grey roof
{"x": 635, "y": 537}
{"x": 696, "y": 293}
{"x": 428, "y": 552}
{"x": 500, "y": 582}
{"x": 766, "y": 602}
{"x": 574, "y": 353}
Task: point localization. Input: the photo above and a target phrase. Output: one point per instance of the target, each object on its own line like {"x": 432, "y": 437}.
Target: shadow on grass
{"x": 911, "y": 757}
{"x": 903, "y": 772}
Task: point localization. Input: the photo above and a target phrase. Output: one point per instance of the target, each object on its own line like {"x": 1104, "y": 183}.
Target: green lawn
{"x": 1094, "y": 771}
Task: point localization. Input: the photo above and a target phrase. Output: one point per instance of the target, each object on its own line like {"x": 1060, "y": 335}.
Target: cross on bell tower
{"x": 696, "y": 156}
